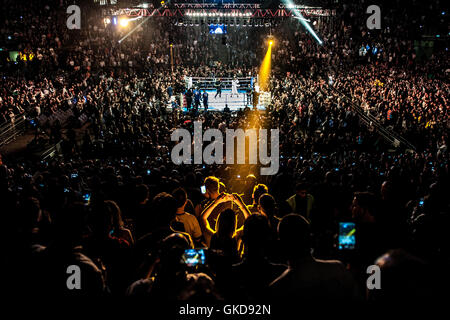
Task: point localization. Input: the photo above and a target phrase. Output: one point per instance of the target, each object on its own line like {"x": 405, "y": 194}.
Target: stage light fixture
{"x": 123, "y": 22}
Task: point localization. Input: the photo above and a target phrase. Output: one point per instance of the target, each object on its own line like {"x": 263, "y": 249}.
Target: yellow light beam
{"x": 264, "y": 71}
{"x": 352, "y": 232}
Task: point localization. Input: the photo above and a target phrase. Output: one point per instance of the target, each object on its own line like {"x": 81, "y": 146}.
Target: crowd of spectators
{"x": 116, "y": 205}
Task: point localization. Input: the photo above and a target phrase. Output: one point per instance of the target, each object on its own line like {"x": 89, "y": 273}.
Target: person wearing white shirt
{"x": 190, "y": 222}
{"x": 234, "y": 86}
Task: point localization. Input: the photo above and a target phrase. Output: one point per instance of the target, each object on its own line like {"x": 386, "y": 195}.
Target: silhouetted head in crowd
{"x": 165, "y": 209}
{"x": 331, "y": 177}
{"x": 106, "y": 218}
{"x": 386, "y": 191}
{"x": 181, "y": 197}
{"x": 363, "y": 207}
{"x": 199, "y": 288}
{"x": 170, "y": 254}
{"x": 267, "y": 205}
{"x": 31, "y": 213}
{"x": 189, "y": 179}
{"x": 403, "y": 277}
{"x": 250, "y": 182}
{"x": 295, "y": 236}
{"x": 226, "y": 224}
{"x": 435, "y": 202}
{"x": 212, "y": 187}
{"x": 259, "y": 190}
{"x": 256, "y": 235}
{"x": 142, "y": 194}
{"x": 301, "y": 189}
{"x": 4, "y": 174}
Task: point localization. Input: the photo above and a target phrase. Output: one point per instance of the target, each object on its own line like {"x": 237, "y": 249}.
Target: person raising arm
{"x": 223, "y": 198}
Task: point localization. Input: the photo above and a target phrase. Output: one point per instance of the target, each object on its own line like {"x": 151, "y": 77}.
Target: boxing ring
{"x": 239, "y": 99}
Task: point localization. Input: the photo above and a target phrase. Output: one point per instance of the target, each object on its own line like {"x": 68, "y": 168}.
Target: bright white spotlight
{"x": 297, "y": 14}
{"x": 107, "y": 20}
{"x": 123, "y": 22}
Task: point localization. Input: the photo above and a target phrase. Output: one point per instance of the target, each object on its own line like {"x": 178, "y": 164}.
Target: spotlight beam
{"x": 301, "y": 18}
{"x": 304, "y": 19}
{"x": 264, "y": 71}
{"x": 134, "y": 29}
